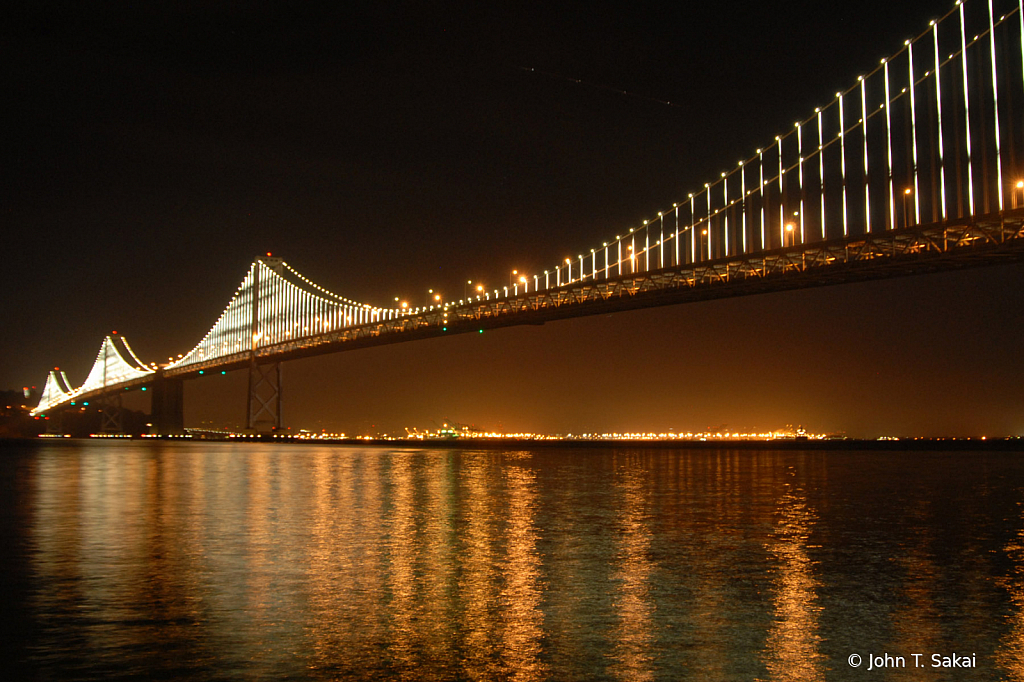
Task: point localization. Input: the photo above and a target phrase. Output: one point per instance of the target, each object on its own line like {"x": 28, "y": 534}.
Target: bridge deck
{"x": 986, "y": 240}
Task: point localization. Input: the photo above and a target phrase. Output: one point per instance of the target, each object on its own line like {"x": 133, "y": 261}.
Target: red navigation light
{"x": 268, "y": 254}
{"x": 114, "y": 332}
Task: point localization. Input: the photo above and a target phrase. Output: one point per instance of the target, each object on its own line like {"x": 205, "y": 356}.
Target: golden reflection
{"x": 521, "y": 597}
{"x": 99, "y": 543}
{"x": 330, "y": 570}
{"x": 401, "y": 577}
{"x": 438, "y": 536}
{"x": 703, "y": 517}
{"x": 234, "y": 556}
{"x": 634, "y": 633}
{"x": 344, "y": 561}
{"x": 56, "y": 530}
{"x": 477, "y": 585}
{"x": 181, "y": 512}
{"x": 113, "y": 551}
{"x": 792, "y": 647}
{"x": 731, "y": 495}
{"x": 367, "y": 490}
{"x": 1010, "y": 655}
{"x": 917, "y": 621}
{"x": 257, "y": 516}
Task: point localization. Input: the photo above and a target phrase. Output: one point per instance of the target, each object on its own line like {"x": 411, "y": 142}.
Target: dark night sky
{"x": 151, "y": 151}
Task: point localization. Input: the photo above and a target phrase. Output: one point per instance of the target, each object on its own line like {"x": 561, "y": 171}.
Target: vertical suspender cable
{"x": 677, "y": 237}
{"x": 273, "y": 309}
{"x": 782, "y": 203}
{"x": 661, "y": 241}
{"x": 707, "y": 190}
{"x": 913, "y": 131}
{"x": 1020, "y": 17}
{"x": 842, "y": 162}
{"x": 693, "y": 232}
{"x": 938, "y": 115}
{"x": 761, "y": 197}
{"x": 821, "y": 172}
{"x": 647, "y": 249}
{"x": 888, "y": 147}
{"x": 967, "y": 112}
{"x": 800, "y": 176}
{"x": 725, "y": 211}
{"x": 743, "y": 199}
{"x": 867, "y": 178}
{"x": 995, "y": 102}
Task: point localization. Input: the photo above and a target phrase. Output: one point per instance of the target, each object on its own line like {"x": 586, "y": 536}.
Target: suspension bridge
{"x": 917, "y": 167}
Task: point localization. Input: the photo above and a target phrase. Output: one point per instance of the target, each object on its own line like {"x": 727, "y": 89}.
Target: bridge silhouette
{"x": 917, "y": 167}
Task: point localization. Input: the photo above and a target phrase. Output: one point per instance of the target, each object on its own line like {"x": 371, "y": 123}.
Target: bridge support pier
{"x": 111, "y": 413}
{"x": 263, "y": 407}
{"x": 55, "y": 424}
{"x": 167, "y": 407}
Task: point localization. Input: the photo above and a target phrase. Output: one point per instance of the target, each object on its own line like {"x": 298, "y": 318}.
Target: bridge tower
{"x": 110, "y": 407}
{"x": 263, "y": 404}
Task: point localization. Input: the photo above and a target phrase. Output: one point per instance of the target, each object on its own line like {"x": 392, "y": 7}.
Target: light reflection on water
{"x": 1011, "y": 653}
{"x": 478, "y": 579}
{"x": 633, "y": 568}
{"x": 520, "y": 599}
{"x": 213, "y": 561}
{"x": 792, "y": 646}
{"x": 916, "y": 623}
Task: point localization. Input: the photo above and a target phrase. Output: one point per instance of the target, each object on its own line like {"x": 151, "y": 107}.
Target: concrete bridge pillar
{"x": 167, "y": 406}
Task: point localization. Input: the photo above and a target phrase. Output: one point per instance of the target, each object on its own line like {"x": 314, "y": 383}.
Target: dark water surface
{"x": 155, "y": 560}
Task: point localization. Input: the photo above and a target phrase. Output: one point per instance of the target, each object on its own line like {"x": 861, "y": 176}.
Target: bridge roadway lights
{"x": 167, "y": 407}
